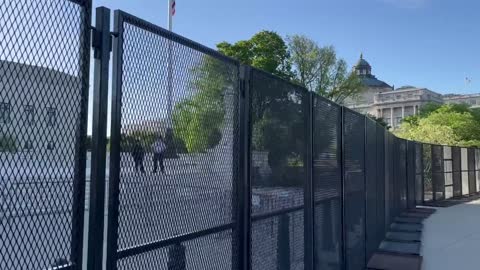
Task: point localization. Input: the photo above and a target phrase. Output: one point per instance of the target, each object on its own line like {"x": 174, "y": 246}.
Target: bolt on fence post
{"x": 102, "y": 44}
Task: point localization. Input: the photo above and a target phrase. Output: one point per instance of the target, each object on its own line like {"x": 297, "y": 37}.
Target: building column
{"x": 414, "y": 109}
{"x": 391, "y": 117}
{"x": 403, "y": 112}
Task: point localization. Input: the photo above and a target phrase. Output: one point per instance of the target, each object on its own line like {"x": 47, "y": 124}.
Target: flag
{"x": 172, "y": 3}
{"x": 468, "y": 80}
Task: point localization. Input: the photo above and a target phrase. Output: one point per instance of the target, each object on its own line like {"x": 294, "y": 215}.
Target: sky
{"x": 424, "y": 43}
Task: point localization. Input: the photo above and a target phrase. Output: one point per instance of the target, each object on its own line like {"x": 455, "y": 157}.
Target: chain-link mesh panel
{"x": 381, "y": 178}
{"x": 389, "y": 176}
{"x": 427, "y": 172}
{"x": 457, "y": 171}
{"x": 448, "y": 171}
{"x": 278, "y": 171}
{"x": 438, "y": 180}
{"x": 176, "y": 106}
{"x": 396, "y": 184}
{"x": 278, "y": 242}
{"x": 354, "y": 189}
{"x": 401, "y": 174}
{"x": 410, "y": 174}
{"x": 371, "y": 233}
{"x": 327, "y": 179}
{"x": 464, "y": 166}
{"x": 44, "y": 57}
{"x": 472, "y": 186}
{"x": 212, "y": 252}
{"x": 419, "y": 173}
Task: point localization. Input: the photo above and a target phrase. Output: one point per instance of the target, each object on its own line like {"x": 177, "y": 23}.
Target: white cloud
{"x": 408, "y": 3}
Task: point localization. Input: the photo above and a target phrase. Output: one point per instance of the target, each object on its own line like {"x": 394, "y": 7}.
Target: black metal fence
{"x": 212, "y": 164}
{"x": 44, "y": 76}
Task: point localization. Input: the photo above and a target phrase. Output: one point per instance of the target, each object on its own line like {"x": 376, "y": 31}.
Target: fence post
{"x": 102, "y": 45}
{"x": 115, "y": 141}
{"x": 283, "y": 242}
{"x": 342, "y": 193}
{"x": 79, "y": 180}
{"x": 244, "y": 182}
{"x": 176, "y": 257}
{"x": 308, "y": 192}
{"x": 365, "y": 191}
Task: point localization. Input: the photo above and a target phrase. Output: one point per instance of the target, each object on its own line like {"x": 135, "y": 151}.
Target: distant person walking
{"x": 138, "y": 154}
{"x": 159, "y": 148}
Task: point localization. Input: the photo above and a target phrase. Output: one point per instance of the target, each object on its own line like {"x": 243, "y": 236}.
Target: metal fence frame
{"x": 375, "y": 176}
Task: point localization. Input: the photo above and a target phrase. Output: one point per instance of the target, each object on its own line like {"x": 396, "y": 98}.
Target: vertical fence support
{"x": 177, "y": 259}
{"x": 308, "y": 192}
{"x": 244, "y": 184}
{"x": 365, "y": 195}
{"x": 283, "y": 242}
{"x": 422, "y": 160}
{"x": 342, "y": 172}
{"x": 79, "y": 180}
{"x": 102, "y": 45}
{"x": 115, "y": 141}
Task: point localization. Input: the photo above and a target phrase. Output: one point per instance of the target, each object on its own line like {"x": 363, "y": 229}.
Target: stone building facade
{"x": 393, "y": 105}
{"x": 39, "y": 108}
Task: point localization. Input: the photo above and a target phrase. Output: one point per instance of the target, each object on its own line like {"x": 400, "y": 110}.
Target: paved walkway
{"x": 451, "y": 238}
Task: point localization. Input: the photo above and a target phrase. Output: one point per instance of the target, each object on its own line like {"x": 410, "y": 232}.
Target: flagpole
{"x": 171, "y": 152}
{"x": 170, "y": 68}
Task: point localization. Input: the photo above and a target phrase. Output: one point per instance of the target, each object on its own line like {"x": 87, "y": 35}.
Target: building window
{"x": 51, "y": 117}
{"x": 473, "y": 102}
{"x": 28, "y": 145}
{"x": 398, "y": 97}
{"x": 50, "y": 145}
{"x": 5, "y": 109}
{"x": 398, "y": 121}
{"x": 410, "y": 95}
{"x": 29, "y": 114}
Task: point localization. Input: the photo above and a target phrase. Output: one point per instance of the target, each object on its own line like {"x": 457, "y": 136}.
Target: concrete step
{"x": 402, "y": 227}
{"x": 384, "y": 261}
{"x": 412, "y": 248}
{"x": 409, "y": 220}
{"x": 404, "y": 236}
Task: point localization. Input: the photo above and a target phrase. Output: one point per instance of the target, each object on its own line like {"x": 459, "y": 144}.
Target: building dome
{"x": 363, "y": 68}
{"x": 364, "y": 71}
{"x": 362, "y": 63}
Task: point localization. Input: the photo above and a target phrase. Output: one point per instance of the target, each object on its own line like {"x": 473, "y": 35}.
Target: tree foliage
{"x": 278, "y": 127}
{"x": 451, "y": 124}
{"x": 198, "y": 119}
{"x": 266, "y": 50}
{"x": 321, "y": 71}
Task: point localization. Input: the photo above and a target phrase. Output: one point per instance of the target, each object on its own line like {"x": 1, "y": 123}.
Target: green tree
{"x": 198, "y": 120}
{"x": 450, "y": 124}
{"x": 320, "y": 70}
{"x": 266, "y": 50}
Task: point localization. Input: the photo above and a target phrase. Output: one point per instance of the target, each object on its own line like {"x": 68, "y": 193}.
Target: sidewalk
{"x": 451, "y": 238}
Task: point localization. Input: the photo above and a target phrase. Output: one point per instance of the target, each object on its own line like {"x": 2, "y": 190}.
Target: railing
{"x": 258, "y": 172}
